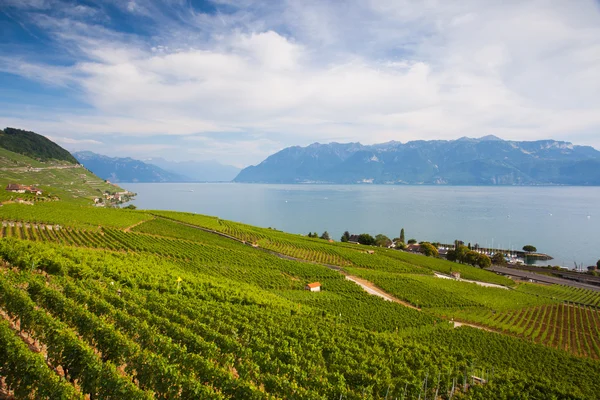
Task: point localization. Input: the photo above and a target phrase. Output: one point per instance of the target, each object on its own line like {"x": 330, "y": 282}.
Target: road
{"x": 542, "y": 278}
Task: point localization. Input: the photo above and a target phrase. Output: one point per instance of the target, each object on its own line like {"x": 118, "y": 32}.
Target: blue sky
{"x": 239, "y": 80}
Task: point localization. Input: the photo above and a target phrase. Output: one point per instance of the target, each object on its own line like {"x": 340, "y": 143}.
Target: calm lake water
{"x": 560, "y": 221}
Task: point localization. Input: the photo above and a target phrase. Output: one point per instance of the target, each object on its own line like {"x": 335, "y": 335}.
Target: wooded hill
{"x": 33, "y": 145}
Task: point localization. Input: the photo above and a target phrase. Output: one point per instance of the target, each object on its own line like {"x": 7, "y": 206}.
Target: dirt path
{"x": 129, "y": 228}
{"x": 458, "y": 324}
{"x": 374, "y": 290}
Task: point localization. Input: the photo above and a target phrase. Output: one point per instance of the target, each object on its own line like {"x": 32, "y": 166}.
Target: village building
{"x": 353, "y": 239}
{"x": 414, "y": 248}
{"x": 313, "y": 287}
{"x": 16, "y": 188}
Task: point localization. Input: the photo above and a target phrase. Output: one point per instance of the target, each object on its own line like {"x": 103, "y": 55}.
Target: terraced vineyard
{"x": 569, "y": 327}
{"x": 565, "y": 293}
{"x": 147, "y": 307}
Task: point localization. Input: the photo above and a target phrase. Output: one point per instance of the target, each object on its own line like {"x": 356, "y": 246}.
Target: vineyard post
{"x": 437, "y": 389}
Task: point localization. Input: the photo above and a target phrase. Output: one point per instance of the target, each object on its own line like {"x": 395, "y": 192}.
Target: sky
{"x": 237, "y": 80}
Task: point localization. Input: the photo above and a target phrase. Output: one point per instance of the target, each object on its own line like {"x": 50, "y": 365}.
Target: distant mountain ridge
{"x": 127, "y": 169}
{"x": 198, "y": 171}
{"x": 33, "y": 145}
{"x": 466, "y": 161}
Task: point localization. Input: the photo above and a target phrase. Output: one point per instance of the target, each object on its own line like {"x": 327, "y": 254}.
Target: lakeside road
{"x": 542, "y": 278}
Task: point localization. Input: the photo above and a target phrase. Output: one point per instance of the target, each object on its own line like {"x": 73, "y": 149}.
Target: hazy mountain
{"x": 198, "y": 171}
{"x": 33, "y": 145}
{"x": 485, "y": 161}
{"x": 125, "y": 169}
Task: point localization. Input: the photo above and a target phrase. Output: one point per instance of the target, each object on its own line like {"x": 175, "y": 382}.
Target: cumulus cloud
{"x": 308, "y": 71}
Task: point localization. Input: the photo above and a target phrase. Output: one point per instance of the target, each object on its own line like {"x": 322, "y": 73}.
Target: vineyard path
{"x": 129, "y": 228}
{"x": 367, "y": 286}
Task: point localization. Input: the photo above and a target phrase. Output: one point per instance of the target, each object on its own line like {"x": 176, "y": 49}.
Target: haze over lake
{"x": 560, "y": 221}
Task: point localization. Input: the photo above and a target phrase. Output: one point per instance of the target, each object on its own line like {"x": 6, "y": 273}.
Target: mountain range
{"x": 198, "y": 171}
{"x": 466, "y": 161}
{"x": 127, "y": 169}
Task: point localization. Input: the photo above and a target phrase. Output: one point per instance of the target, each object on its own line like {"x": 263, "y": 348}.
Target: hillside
{"x": 61, "y": 180}
{"x": 33, "y": 146}
{"x": 164, "y": 304}
{"x": 127, "y": 169}
{"x": 485, "y": 161}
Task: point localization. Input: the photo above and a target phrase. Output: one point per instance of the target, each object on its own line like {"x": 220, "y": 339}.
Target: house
{"x": 455, "y": 275}
{"x": 353, "y": 239}
{"x": 313, "y": 287}
{"x": 414, "y": 248}
{"x": 15, "y": 188}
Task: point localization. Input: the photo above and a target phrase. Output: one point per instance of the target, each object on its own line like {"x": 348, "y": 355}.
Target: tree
{"x": 598, "y": 264}
{"x": 345, "y": 237}
{"x": 498, "y": 259}
{"x": 461, "y": 254}
{"x": 366, "y": 239}
{"x": 412, "y": 241}
{"x": 451, "y": 255}
{"x": 529, "y": 248}
{"x": 483, "y": 261}
{"x": 325, "y": 236}
{"x": 382, "y": 241}
{"x": 402, "y": 235}
{"x": 130, "y": 207}
{"x": 471, "y": 257}
{"x": 429, "y": 250}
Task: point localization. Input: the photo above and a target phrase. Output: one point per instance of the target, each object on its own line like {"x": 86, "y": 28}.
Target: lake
{"x": 559, "y": 221}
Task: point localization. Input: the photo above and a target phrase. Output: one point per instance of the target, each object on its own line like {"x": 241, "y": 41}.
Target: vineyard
{"x": 564, "y": 293}
{"x": 149, "y": 306}
{"x": 569, "y": 327}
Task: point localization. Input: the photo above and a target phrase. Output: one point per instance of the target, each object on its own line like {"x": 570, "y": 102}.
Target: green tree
{"x": 325, "y": 236}
{"x": 529, "y": 248}
{"x": 402, "y": 235}
{"x": 461, "y": 254}
{"x": 471, "y": 258}
{"x": 382, "y": 241}
{"x": 483, "y": 261}
{"x": 429, "y": 250}
{"x": 412, "y": 241}
{"x": 598, "y": 264}
{"x": 366, "y": 239}
{"x": 498, "y": 259}
{"x": 451, "y": 255}
{"x": 130, "y": 207}
{"x": 345, "y": 237}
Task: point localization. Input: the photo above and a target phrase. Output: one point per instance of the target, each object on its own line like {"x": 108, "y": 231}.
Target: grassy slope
{"x": 75, "y": 185}
{"x": 223, "y": 275}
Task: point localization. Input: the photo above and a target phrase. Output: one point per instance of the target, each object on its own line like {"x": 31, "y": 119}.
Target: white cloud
{"x": 71, "y": 141}
{"x": 369, "y": 72}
